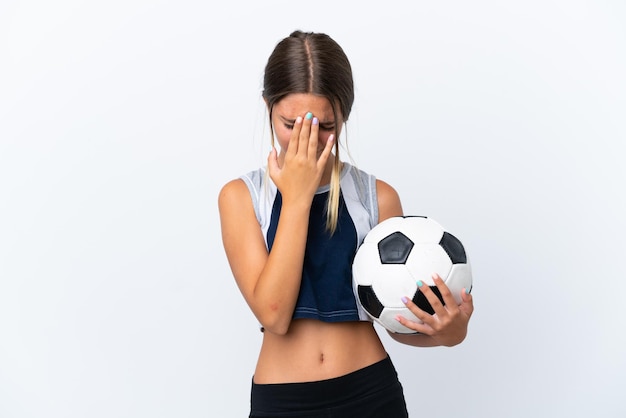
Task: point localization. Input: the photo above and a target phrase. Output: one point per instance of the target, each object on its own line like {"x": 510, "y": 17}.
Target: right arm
{"x": 270, "y": 282}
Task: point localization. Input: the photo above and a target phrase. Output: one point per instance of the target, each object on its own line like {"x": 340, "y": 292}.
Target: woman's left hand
{"x": 448, "y": 326}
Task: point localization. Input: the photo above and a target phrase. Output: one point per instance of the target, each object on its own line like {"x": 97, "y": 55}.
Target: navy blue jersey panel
{"x": 271, "y": 231}
{"x": 326, "y": 288}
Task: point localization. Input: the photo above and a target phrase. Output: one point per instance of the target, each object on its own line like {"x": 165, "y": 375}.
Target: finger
{"x": 326, "y": 152}
{"x": 431, "y": 297}
{"x": 305, "y": 133}
{"x": 414, "y": 326}
{"x": 467, "y": 302}
{"x": 421, "y": 314}
{"x": 448, "y": 299}
{"x": 314, "y": 138}
{"x": 424, "y": 327}
{"x": 272, "y": 163}
{"x": 292, "y": 149}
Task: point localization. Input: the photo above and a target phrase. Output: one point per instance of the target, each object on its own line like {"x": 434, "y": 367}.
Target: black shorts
{"x": 373, "y": 392}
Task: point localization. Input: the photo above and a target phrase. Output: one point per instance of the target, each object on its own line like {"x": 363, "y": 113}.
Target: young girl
{"x": 290, "y": 234}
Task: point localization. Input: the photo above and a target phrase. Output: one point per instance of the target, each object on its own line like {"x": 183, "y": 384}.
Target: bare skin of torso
{"x": 313, "y": 350}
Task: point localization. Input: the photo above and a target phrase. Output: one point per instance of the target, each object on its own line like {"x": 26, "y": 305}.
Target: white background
{"x": 121, "y": 120}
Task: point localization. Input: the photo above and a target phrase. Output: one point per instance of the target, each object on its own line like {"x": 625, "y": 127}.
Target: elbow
{"x": 280, "y": 331}
{"x": 275, "y": 328}
{"x": 274, "y": 315}
{"x": 275, "y": 323}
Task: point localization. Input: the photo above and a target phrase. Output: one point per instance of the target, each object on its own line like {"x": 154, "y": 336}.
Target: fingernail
{"x": 405, "y": 300}
{"x": 309, "y": 116}
{"x": 315, "y": 121}
{"x": 419, "y": 283}
{"x": 331, "y": 138}
{"x": 467, "y": 291}
{"x": 398, "y": 318}
{"x": 299, "y": 119}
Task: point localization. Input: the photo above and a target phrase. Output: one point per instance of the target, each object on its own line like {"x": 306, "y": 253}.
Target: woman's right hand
{"x": 298, "y": 173}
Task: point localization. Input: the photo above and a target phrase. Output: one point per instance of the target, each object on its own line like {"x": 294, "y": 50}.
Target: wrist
{"x": 298, "y": 206}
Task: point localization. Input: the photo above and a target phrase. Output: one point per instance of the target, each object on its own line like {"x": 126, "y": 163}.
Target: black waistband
{"x": 324, "y": 393}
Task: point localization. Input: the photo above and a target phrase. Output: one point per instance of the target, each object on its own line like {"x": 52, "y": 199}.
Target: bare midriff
{"x": 314, "y": 350}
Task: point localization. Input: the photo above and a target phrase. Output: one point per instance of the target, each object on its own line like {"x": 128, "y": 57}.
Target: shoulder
{"x": 243, "y": 187}
{"x": 232, "y": 194}
{"x": 388, "y": 201}
{"x": 236, "y": 210}
{"x": 385, "y": 190}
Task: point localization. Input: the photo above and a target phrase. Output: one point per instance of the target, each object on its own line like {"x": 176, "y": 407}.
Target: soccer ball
{"x": 397, "y": 253}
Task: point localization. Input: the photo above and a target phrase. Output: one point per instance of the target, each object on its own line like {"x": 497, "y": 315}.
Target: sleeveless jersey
{"x": 326, "y": 290}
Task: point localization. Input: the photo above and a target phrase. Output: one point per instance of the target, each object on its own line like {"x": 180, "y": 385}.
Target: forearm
{"x": 418, "y": 340}
{"x": 276, "y": 291}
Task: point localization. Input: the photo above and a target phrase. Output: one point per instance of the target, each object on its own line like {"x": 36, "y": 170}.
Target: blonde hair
{"x": 332, "y": 206}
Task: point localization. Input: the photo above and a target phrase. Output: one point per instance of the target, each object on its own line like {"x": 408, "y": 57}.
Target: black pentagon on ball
{"x": 369, "y": 301}
{"x": 420, "y": 300}
{"x": 453, "y": 247}
{"x": 394, "y": 248}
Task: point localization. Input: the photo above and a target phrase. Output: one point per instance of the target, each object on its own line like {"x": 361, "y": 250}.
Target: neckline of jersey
{"x": 344, "y": 170}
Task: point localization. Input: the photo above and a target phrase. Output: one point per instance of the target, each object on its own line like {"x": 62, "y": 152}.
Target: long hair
{"x": 307, "y": 62}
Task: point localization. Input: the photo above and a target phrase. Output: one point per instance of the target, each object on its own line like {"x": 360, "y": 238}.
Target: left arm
{"x": 448, "y": 326}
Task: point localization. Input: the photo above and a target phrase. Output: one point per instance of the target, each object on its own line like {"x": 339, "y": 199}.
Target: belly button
{"x": 321, "y": 357}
